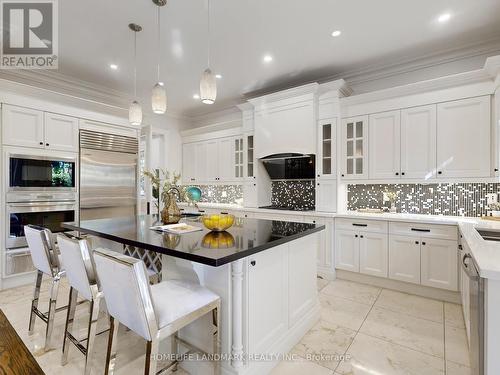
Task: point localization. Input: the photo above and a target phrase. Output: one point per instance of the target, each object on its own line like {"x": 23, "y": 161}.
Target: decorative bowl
{"x": 218, "y": 222}
{"x": 193, "y": 194}
{"x": 217, "y": 240}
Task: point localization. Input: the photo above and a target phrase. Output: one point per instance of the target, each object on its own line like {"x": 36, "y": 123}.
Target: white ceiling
{"x": 94, "y": 33}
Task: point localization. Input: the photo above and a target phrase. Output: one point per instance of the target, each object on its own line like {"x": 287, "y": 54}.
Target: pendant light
{"x": 159, "y": 94}
{"x": 135, "y": 109}
{"x": 208, "y": 84}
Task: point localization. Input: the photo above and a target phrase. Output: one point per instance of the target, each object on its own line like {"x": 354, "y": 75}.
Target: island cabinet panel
{"x": 302, "y": 281}
{"x": 267, "y": 298}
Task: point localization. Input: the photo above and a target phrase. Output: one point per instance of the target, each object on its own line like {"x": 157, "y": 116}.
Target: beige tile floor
{"x": 363, "y": 330}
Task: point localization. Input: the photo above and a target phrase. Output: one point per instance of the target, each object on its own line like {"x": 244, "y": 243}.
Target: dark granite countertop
{"x": 244, "y": 238}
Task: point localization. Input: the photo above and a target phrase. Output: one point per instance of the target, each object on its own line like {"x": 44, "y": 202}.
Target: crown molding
{"x": 310, "y": 88}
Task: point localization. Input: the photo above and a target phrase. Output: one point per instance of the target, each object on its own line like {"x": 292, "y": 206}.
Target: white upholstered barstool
{"x": 153, "y": 312}
{"x": 46, "y": 261}
{"x": 80, "y": 271}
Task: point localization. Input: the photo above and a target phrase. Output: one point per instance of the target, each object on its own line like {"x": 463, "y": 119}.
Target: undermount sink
{"x": 489, "y": 235}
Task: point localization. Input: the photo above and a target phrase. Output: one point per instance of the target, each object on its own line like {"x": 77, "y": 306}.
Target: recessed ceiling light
{"x": 336, "y": 33}
{"x": 196, "y": 96}
{"x": 218, "y": 76}
{"x": 113, "y": 66}
{"x": 267, "y": 58}
{"x": 445, "y": 17}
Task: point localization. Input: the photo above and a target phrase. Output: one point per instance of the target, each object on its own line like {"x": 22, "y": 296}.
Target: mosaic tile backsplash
{"x": 227, "y": 194}
{"x": 299, "y": 194}
{"x": 459, "y": 199}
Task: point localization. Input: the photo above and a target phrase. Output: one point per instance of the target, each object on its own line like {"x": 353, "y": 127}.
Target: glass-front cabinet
{"x": 355, "y": 142}
{"x": 249, "y": 156}
{"x": 238, "y": 157}
{"x": 327, "y": 145}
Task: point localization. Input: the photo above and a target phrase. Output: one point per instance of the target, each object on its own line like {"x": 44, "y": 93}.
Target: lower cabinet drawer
{"x": 443, "y": 232}
{"x": 377, "y": 226}
{"x": 18, "y": 261}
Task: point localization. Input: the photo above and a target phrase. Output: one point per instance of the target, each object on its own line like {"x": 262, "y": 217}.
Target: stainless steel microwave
{"x": 41, "y": 173}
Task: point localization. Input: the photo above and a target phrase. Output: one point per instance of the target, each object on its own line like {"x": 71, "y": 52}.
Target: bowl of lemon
{"x": 218, "y": 222}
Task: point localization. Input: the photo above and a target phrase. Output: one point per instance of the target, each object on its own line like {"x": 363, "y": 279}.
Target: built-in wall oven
{"x": 40, "y": 190}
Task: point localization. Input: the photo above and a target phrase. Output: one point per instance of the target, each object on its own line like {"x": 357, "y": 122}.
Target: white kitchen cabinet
{"x": 439, "y": 263}
{"x": 22, "y": 127}
{"x": 188, "y": 163}
{"x": 238, "y": 158}
{"x": 31, "y": 128}
{"x": 385, "y": 145}
{"x": 302, "y": 285}
{"x": 202, "y": 161}
{"x": 226, "y": 159}
{"x": 61, "y": 132}
{"x": 373, "y": 254}
{"x": 346, "y": 250}
{"x": 404, "y": 258}
{"x": 211, "y": 161}
{"x": 326, "y": 162}
{"x": 250, "y": 193}
{"x": 418, "y": 142}
{"x": 463, "y": 138}
{"x": 249, "y": 156}
{"x": 264, "y": 269}
{"x": 325, "y": 249}
{"x": 326, "y": 195}
{"x": 355, "y": 147}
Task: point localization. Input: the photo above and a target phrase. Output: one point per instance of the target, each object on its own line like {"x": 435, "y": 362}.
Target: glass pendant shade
{"x": 208, "y": 87}
{"x": 159, "y": 98}
{"x": 135, "y": 113}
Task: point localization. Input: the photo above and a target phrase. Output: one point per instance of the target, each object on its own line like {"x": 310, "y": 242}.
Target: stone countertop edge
{"x": 195, "y": 257}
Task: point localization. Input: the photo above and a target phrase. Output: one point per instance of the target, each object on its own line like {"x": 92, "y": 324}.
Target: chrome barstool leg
{"x": 94, "y": 316}
{"x": 111, "y": 354}
{"x": 70, "y": 317}
{"x": 52, "y": 311}
{"x": 216, "y": 348}
{"x": 174, "y": 350}
{"x": 34, "y": 302}
{"x": 152, "y": 348}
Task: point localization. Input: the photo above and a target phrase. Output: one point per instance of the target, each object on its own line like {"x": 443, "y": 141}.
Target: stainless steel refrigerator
{"x": 108, "y": 175}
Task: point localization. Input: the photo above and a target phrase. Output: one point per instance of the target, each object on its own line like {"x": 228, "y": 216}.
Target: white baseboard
{"x": 326, "y": 273}
{"x": 401, "y": 286}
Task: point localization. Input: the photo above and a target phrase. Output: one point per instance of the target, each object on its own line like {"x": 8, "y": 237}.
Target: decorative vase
{"x": 171, "y": 214}
{"x": 393, "y": 208}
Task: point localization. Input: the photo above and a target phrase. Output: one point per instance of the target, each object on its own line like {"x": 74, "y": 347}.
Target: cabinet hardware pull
{"x": 440, "y": 172}
{"x": 342, "y": 175}
{"x": 359, "y": 225}
{"x": 253, "y": 263}
{"x": 41, "y": 143}
{"x": 318, "y": 175}
{"x": 318, "y": 183}
{"x": 355, "y": 236}
{"x": 496, "y": 169}
{"x": 460, "y": 247}
{"x": 423, "y": 243}
{"x": 361, "y": 236}
{"x": 402, "y": 173}
{"x": 224, "y": 213}
{"x": 420, "y": 230}
{"x": 397, "y": 173}
{"x": 46, "y": 144}
{"x": 416, "y": 242}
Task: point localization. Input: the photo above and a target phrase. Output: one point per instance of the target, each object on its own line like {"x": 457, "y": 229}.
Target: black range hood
{"x": 290, "y": 166}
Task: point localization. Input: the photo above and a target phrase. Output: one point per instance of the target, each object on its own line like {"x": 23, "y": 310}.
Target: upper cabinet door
{"x": 249, "y": 156}
{"x": 61, "y": 132}
{"x": 418, "y": 142}
{"x": 326, "y": 162}
{"x": 385, "y": 145}
{"x": 226, "y": 159}
{"x": 238, "y": 157}
{"x": 463, "y": 138}
{"x": 188, "y": 163}
{"x": 202, "y": 160}
{"x": 22, "y": 127}
{"x": 355, "y": 147}
{"x": 326, "y": 195}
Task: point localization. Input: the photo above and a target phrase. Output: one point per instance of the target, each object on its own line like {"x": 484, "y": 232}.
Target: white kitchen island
{"x": 263, "y": 270}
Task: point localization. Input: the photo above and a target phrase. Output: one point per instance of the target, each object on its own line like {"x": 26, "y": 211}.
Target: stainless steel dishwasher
{"x": 476, "y": 295}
